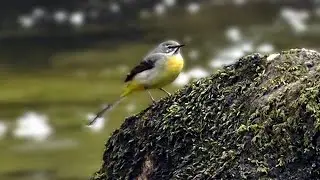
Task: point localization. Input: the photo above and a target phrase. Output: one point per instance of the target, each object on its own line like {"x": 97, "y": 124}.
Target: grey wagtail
{"x": 159, "y": 67}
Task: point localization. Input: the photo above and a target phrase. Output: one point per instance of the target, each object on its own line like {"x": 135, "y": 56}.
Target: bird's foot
{"x": 153, "y": 102}
{"x": 165, "y": 91}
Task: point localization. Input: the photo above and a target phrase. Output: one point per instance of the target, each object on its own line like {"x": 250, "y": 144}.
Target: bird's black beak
{"x": 177, "y": 47}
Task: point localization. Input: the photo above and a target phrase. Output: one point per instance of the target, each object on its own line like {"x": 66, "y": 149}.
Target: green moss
{"x": 257, "y": 118}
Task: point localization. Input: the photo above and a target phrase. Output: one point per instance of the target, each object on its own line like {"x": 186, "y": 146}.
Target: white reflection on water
{"x": 169, "y": 3}
{"x": 77, "y": 18}
{"x": 227, "y": 56}
{"x": 295, "y": 18}
{"x": 160, "y": 9}
{"x": 197, "y": 72}
{"x": 60, "y": 16}
{"x": 193, "y": 7}
{"x": 33, "y": 126}
{"x": 182, "y": 79}
{"x": 114, "y": 7}
{"x": 233, "y": 34}
{"x": 265, "y": 48}
{"x": 194, "y": 73}
{"x": 38, "y": 13}
{"x": 26, "y": 21}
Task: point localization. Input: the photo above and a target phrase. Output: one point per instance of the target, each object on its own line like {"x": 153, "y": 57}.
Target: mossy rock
{"x": 256, "y": 119}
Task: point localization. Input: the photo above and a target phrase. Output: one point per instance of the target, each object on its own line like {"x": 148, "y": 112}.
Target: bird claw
{"x": 153, "y": 102}
{"x": 165, "y": 91}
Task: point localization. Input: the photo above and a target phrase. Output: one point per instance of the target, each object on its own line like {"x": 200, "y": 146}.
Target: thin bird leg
{"x": 152, "y": 99}
{"x": 165, "y": 91}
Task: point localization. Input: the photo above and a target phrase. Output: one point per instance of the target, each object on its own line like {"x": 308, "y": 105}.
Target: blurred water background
{"x": 61, "y": 60}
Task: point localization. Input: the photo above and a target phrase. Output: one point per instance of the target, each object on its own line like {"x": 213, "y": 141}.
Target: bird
{"x": 160, "y": 67}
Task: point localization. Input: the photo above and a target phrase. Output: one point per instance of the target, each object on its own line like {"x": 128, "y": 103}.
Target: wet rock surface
{"x": 257, "y": 118}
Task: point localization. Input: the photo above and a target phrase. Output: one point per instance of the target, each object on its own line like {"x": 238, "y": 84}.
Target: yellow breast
{"x": 174, "y": 64}
{"x": 169, "y": 72}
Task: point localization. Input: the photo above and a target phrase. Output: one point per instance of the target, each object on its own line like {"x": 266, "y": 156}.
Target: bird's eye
{"x": 170, "y": 48}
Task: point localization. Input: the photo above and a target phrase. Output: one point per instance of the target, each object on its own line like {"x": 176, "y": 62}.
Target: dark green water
{"x": 67, "y": 77}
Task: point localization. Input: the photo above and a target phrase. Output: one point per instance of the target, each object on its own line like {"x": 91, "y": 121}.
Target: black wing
{"x": 144, "y": 65}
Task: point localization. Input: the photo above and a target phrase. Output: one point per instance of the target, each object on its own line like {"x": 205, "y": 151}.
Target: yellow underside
{"x": 170, "y": 72}
{"x": 130, "y": 87}
{"x": 171, "y": 69}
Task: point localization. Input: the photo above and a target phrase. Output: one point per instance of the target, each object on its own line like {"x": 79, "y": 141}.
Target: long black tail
{"x": 104, "y": 110}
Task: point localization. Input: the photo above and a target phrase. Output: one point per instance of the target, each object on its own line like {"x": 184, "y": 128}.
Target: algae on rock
{"x": 257, "y": 118}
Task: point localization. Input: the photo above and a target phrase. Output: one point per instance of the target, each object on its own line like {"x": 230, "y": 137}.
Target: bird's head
{"x": 169, "y": 47}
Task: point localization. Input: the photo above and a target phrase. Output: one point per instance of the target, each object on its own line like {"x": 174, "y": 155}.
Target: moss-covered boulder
{"x": 258, "y": 118}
